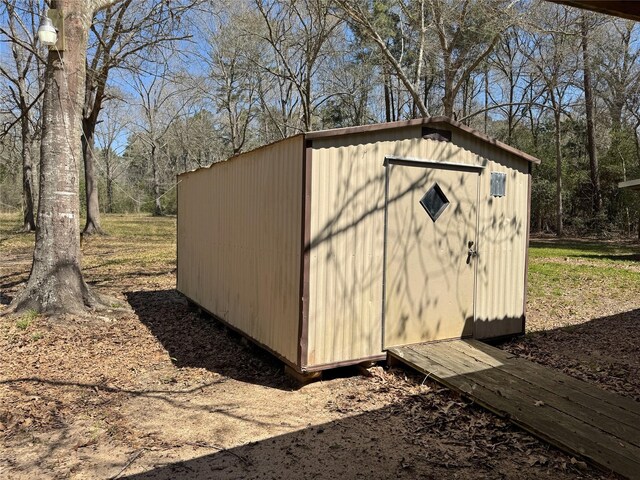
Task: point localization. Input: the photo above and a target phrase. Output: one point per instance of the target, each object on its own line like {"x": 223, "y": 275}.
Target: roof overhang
{"x": 443, "y": 121}
{"x": 630, "y": 184}
{"x": 623, "y": 9}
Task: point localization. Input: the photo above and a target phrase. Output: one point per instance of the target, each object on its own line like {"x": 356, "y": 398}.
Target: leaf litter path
{"x": 573, "y": 415}
{"x": 161, "y": 392}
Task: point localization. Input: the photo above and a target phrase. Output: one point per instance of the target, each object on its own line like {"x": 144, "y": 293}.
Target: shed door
{"x": 431, "y": 220}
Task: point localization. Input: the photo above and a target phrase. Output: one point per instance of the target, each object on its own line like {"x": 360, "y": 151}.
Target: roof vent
{"x": 429, "y": 133}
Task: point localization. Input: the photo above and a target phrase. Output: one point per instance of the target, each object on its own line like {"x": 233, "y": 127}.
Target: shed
{"x": 328, "y": 247}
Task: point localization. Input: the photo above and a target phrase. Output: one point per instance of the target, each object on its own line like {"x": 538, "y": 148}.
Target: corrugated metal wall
{"x": 239, "y": 227}
{"x": 502, "y": 244}
{"x": 347, "y": 229}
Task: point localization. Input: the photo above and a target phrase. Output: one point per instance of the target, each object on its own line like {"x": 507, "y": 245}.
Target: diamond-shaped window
{"x": 434, "y": 202}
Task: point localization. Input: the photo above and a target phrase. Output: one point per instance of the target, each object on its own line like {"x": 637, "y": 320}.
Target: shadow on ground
{"x": 604, "y": 350}
{"x": 375, "y": 445}
{"x": 197, "y": 340}
{"x": 370, "y": 445}
{"x": 630, "y": 257}
{"x": 5, "y": 299}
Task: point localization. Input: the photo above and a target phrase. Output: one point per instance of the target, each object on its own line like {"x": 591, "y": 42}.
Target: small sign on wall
{"x": 498, "y": 184}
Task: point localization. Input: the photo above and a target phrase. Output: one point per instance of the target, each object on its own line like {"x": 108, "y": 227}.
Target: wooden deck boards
{"x": 575, "y": 416}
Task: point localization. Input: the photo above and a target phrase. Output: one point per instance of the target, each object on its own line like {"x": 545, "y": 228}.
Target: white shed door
{"x": 431, "y": 220}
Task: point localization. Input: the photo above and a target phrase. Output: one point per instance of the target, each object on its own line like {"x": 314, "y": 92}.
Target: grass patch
{"x": 580, "y": 274}
{"x": 588, "y": 250}
{"x": 26, "y": 319}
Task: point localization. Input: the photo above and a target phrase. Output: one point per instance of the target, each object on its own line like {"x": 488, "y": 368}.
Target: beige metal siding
{"x": 502, "y": 247}
{"x": 239, "y": 227}
{"x": 429, "y": 278}
{"x": 347, "y": 235}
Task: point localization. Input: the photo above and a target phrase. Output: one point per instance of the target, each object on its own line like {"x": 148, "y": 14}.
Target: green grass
{"x": 26, "y": 319}
{"x": 567, "y": 272}
{"x": 578, "y": 271}
{"x": 602, "y": 250}
{"x": 134, "y": 247}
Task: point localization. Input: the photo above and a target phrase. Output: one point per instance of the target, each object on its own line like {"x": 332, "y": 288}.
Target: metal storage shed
{"x": 328, "y": 247}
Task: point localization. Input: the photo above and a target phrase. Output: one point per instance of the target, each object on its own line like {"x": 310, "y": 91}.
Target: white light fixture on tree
{"x": 51, "y": 30}
{"x": 47, "y": 33}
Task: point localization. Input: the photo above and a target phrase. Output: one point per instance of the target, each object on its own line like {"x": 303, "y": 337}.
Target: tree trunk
{"x": 448, "y": 100}
{"x": 92, "y": 225}
{"x": 591, "y": 141}
{"x": 486, "y": 99}
{"x": 157, "y": 205}
{"x": 56, "y": 284}
{"x": 558, "y": 146}
{"x": 109, "y": 173}
{"x": 636, "y": 140}
{"x": 29, "y": 223}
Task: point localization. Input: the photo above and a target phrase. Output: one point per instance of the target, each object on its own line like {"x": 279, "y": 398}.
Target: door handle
{"x": 472, "y": 252}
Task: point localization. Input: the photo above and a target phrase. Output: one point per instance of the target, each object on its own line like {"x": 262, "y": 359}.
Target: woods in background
{"x": 172, "y": 86}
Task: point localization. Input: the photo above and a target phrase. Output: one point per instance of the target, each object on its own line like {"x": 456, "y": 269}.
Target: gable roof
{"x": 452, "y": 124}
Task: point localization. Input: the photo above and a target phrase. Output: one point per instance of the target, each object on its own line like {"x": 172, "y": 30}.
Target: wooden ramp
{"x": 575, "y": 416}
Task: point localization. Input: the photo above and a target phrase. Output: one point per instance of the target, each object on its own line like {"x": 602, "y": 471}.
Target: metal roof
{"x": 443, "y": 121}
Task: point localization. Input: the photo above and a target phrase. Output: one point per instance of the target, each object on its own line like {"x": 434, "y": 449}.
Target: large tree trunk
{"x": 56, "y": 284}
{"x": 92, "y": 225}
{"x": 29, "y": 223}
{"x": 591, "y": 135}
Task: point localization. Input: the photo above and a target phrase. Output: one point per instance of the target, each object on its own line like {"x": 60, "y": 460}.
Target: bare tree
{"x": 586, "y": 24}
{"x": 298, "y": 32}
{"x": 514, "y": 94}
{"x": 553, "y": 56}
{"x": 618, "y": 66}
{"x": 24, "y": 78}
{"x": 122, "y": 35}
{"x": 366, "y": 18}
{"x": 466, "y": 32}
{"x": 108, "y": 136}
{"x": 162, "y": 99}
{"x": 233, "y": 78}
{"x": 56, "y": 284}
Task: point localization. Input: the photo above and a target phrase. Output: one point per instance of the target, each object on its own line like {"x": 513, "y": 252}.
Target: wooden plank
{"x": 572, "y": 436}
{"x": 442, "y": 374}
{"x": 554, "y": 385}
{"x": 559, "y": 380}
{"x": 497, "y": 378}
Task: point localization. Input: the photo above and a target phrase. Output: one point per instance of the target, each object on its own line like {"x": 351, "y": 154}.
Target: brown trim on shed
{"x": 177, "y": 220}
{"x": 303, "y": 329}
{"x": 526, "y": 249}
{"x": 245, "y": 335}
{"x": 241, "y": 154}
{"x": 336, "y": 132}
{"x": 346, "y": 363}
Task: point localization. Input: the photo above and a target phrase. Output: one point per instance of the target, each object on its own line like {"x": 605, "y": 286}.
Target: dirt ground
{"x": 154, "y": 390}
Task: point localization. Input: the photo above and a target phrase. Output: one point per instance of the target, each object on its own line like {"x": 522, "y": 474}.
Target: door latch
{"x": 472, "y": 252}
